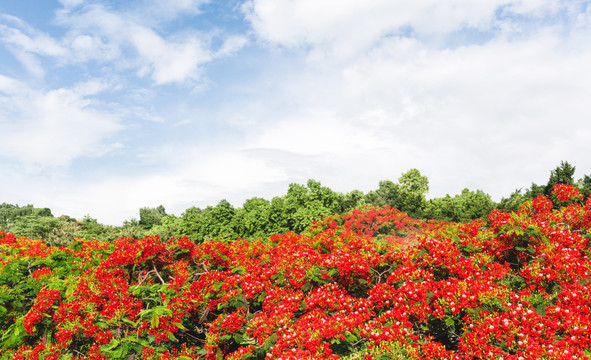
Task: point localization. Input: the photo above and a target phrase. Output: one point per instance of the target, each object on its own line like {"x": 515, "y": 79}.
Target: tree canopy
{"x": 295, "y": 211}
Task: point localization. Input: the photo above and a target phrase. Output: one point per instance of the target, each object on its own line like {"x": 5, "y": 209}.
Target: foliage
{"x": 294, "y": 211}
{"x": 467, "y": 206}
{"x": 373, "y": 283}
{"x": 150, "y": 217}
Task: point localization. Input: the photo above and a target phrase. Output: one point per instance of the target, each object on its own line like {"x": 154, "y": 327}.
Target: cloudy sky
{"x": 109, "y": 106}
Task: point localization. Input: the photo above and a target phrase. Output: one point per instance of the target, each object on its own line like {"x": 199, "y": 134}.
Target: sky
{"x": 110, "y": 106}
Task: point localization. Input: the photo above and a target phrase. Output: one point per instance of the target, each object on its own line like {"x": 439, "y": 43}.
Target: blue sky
{"x": 109, "y": 106}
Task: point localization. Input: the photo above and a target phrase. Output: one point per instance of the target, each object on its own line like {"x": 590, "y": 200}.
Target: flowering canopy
{"x": 372, "y": 284}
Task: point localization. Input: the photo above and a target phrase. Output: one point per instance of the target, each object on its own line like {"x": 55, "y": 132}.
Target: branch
{"x": 159, "y": 277}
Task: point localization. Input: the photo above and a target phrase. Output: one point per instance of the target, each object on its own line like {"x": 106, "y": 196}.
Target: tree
{"x": 513, "y": 202}
{"x": 444, "y": 209}
{"x": 218, "y": 221}
{"x": 563, "y": 174}
{"x": 387, "y": 193}
{"x": 278, "y": 217}
{"x": 584, "y": 185}
{"x": 534, "y": 191}
{"x": 151, "y": 216}
{"x": 35, "y": 227}
{"x": 253, "y": 218}
{"x": 413, "y": 189}
{"x": 353, "y": 200}
{"x": 171, "y": 226}
{"x": 305, "y": 204}
{"x": 90, "y": 228}
{"x": 464, "y": 207}
{"x": 474, "y": 205}
{"x": 9, "y": 213}
{"x": 192, "y": 223}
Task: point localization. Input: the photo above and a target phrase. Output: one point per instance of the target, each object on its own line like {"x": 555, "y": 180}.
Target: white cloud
{"x": 71, "y": 3}
{"x": 101, "y": 34}
{"x": 92, "y": 87}
{"x": 196, "y": 177}
{"x": 168, "y": 61}
{"x": 343, "y": 29}
{"x": 365, "y": 91}
{"x": 28, "y": 39}
{"x": 158, "y": 11}
{"x": 129, "y": 38}
{"x": 27, "y": 43}
{"x": 231, "y": 45}
{"x": 465, "y": 115}
{"x": 358, "y": 24}
{"x": 9, "y": 85}
{"x": 49, "y": 129}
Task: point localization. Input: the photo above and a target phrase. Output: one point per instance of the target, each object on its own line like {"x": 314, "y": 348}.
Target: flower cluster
{"x": 370, "y": 284}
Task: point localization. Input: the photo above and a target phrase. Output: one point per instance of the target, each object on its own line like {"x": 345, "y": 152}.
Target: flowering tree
{"x": 370, "y": 284}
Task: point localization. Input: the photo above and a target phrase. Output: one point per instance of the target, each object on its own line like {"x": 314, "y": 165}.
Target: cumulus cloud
{"x": 131, "y": 38}
{"x": 97, "y": 33}
{"x": 515, "y": 95}
{"x": 486, "y": 94}
{"x": 343, "y": 29}
{"x": 49, "y": 129}
{"x": 159, "y": 11}
{"x": 27, "y": 44}
{"x": 195, "y": 177}
{"x": 356, "y": 25}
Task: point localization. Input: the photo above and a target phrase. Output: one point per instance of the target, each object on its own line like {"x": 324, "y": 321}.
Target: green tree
{"x": 584, "y": 185}
{"x": 534, "y": 191}
{"x": 325, "y": 197}
{"x": 413, "y": 189}
{"x": 192, "y": 223}
{"x": 254, "y": 218}
{"x": 171, "y": 226}
{"x": 151, "y": 216}
{"x": 9, "y": 213}
{"x": 34, "y": 227}
{"x": 387, "y": 193}
{"x": 464, "y": 207}
{"x": 474, "y": 204}
{"x": 218, "y": 221}
{"x": 298, "y": 211}
{"x": 90, "y": 228}
{"x": 445, "y": 209}
{"x": 278, "y": 217}
{"x": 305, "y": 204}
{"x": 563, "y": 174}
{"x": 513, "y": 202}
{"x": 353, "y": 200}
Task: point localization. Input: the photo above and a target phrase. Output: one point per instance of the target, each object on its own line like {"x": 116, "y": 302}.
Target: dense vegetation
{"x": 295, "y": 211}
{"x": 373, "y": 283}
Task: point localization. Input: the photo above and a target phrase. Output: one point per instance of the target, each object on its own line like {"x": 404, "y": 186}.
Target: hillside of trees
{"x": 371, "y": 284}
{"x": 294, "y": 211}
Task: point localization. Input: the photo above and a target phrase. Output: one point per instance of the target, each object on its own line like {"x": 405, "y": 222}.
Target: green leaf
{"x": 239, "y": 270}
{"x": 270, "y": 342}
{"x": 450, "y": 322}
{"x": 541, "y": 309}
{"x": 349, "y": 337}
{"x": 238, "y": 338}
{"x": 470, "y": 249}
{"x": 104, "y": 325}
{"x": 14, "y": 335}
{"x": 155, "y": 321}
